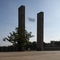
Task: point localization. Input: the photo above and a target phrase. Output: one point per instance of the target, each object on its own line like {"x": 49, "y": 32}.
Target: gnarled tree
{"x": 14, "y": 38}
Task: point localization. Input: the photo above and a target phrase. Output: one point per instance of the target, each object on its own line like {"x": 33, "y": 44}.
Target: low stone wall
{"x": 12, "y": 49}
{"x": 8, "y": 49}
{"x": 51, "y": 48}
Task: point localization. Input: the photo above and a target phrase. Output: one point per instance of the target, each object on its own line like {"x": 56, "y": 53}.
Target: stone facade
{"x": 21, "y": 19}
{"x": 21, "y": 23}
{"x": 40, "y": 26}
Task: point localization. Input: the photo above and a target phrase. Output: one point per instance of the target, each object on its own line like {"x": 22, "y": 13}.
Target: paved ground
{"x": 30, "y": 55}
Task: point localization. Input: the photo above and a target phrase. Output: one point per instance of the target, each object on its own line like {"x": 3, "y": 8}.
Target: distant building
{"x": 21, "y": 21}
{"x": 40, "y": 30}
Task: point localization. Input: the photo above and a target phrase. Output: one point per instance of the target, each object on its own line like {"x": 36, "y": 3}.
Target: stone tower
{"x": 40, "y": 26}
{"x": 21, "y": 23}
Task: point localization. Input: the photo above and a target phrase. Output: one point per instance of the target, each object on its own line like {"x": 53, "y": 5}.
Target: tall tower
{"x": 40, "y": 26}
{"x": 21, "y": 23}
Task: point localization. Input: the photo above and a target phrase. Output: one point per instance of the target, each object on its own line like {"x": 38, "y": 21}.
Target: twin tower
{"x": 40, "y": 26}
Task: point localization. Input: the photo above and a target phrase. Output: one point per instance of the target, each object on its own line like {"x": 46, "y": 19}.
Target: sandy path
{"x": 30, "y": 55}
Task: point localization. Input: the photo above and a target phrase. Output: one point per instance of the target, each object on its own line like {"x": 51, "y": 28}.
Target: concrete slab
{"x": 30, "y": 55}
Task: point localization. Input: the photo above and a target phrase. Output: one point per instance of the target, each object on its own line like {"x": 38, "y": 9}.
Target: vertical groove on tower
{"x": 40, "y": 26}
{"x": 21, "y": 23}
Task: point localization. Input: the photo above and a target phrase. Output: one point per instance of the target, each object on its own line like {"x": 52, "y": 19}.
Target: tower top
{"x": 21, "y": 6}
{"x": 40, "y": 13}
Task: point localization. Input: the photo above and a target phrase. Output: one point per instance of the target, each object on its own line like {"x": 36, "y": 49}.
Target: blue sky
{"x": 9, "y": 18}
